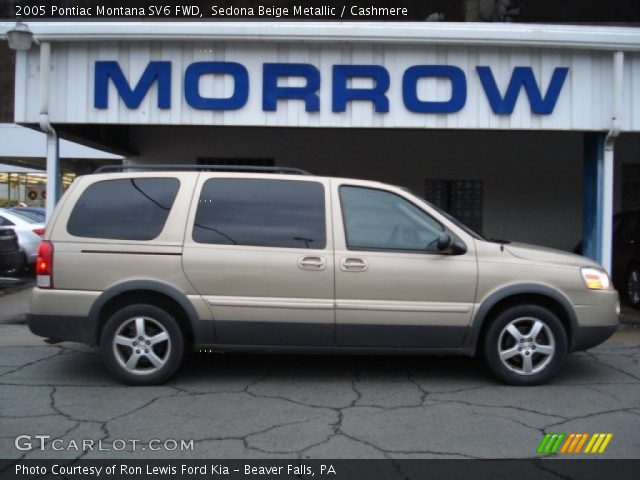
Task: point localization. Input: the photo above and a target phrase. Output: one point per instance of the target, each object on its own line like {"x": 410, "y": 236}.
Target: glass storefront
{"x": 27, "y": 188}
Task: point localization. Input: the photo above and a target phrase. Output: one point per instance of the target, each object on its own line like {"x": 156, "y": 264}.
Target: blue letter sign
{"x": 192, "y": 85}
{"x": 160, "y": 71}
{"x": 522, "y": 76}
{"x": 458, "y": 88}
{"x": 271, "y": 92}
{"x": 342, "y": 93}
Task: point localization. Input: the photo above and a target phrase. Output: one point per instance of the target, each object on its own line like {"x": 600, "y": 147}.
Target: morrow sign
{"x": 542, "y": 101}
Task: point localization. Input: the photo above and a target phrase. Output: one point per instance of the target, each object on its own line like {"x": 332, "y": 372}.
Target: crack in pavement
{"x": 332, "y": 418}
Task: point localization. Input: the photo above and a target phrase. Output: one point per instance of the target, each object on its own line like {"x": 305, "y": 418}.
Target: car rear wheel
{"x": 633, "y": 287}
{"x": 142, "y": 345}
{"x": 525, "y": 345}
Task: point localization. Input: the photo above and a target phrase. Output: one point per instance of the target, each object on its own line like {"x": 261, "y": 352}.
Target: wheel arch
{"x": 152, "y": 292}
{"x": 511, "y": 295}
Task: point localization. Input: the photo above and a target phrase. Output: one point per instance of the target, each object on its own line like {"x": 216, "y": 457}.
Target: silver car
{"x": 29, "y": 231}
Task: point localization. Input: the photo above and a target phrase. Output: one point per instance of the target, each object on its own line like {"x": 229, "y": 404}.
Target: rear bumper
{"x": 62, "y": 327}
{"x": 589, "y": 337}
{"x": 10, "y": 262}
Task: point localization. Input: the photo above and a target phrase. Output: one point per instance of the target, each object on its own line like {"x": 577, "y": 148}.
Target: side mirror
{"x": 444, "y": 240}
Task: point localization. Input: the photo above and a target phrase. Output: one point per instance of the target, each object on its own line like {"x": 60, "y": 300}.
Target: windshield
{"x": 449, "y": 217}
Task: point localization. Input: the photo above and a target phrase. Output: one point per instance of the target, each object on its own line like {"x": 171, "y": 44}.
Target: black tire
{"x": 552, "y": 335}
{"x": 631, "y": 292}
{"x": 155, "y": 321}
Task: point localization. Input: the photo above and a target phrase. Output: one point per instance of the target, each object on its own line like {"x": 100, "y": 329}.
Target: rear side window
{"x": 124, "y": 209}
{"x": 269, "y": 213}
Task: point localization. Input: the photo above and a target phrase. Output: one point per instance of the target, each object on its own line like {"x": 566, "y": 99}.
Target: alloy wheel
{"x": 142, "y": 345}
{"x": 526, "y": 345}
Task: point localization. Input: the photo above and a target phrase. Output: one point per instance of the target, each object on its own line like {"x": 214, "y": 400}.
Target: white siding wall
{"x": 532, "y": 180}
{"x": 584, "y": 103}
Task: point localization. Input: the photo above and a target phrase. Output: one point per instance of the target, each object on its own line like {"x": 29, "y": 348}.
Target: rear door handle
{"x": 353, "y": 264}
{"x": 312, "y": 263}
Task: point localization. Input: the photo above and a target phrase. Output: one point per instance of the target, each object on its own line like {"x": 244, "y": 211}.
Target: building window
{"x": 630, "y": 186}
{"x": 460, "y": 198}
{"x": 241, "y": 162}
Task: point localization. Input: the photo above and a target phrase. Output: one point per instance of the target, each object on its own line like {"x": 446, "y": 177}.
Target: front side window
{"x": 124, "y": 209}
{"x": 379, "y": 220}
{"x": 257, "y": 212}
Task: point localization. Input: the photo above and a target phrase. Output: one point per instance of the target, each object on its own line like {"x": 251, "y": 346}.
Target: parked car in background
{"x": 626, "y": 255}
{"x": 37, "y": 213}
{"x": 11, "y": 256}
{"x": 29, "y": 231}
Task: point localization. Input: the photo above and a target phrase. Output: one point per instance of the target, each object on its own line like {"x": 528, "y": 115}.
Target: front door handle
{"x": 312, "y": 263}
{"x": 352, "y": 264}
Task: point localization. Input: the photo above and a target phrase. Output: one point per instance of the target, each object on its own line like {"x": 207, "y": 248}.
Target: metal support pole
{"x": 608, "y": 163}
{"x": 53, "y": 150}
{"x": 53, "y": 172}
{"x": 593, "y": 195}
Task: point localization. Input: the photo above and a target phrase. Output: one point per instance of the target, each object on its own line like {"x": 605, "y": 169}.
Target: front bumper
{"x": 589, "y": 337}
{"x": 596, "y": 320}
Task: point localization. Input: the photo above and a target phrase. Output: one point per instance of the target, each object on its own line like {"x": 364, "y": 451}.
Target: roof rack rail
{"x": 224, "y": 168}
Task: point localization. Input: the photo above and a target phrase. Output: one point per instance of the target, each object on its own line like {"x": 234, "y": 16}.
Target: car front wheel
{"x": 525, "y": 345}
{"x": 142, "y": 345}
{"x": 633, "y": 287}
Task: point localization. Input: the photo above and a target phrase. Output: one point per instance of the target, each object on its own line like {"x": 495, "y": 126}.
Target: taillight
{"x": 44, "y": 265}
{"x": 39, "y": 231}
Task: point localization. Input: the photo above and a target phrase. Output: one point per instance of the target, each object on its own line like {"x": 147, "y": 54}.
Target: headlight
{"x": 595, "y": 279}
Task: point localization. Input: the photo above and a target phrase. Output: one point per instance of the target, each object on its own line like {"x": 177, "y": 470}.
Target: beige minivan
{"x": 150, "y": 263}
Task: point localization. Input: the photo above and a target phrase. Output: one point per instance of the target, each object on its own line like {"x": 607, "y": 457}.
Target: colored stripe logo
{"x": 574, "y": 443}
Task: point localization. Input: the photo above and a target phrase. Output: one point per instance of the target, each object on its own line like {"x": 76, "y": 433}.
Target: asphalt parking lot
{"x": 274, "y": 406}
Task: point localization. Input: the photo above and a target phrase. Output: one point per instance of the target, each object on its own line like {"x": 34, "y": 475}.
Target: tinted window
{"x": 375, "y": 219}
{"x": 270, "y": 213}
{"x": 127, "y": 209}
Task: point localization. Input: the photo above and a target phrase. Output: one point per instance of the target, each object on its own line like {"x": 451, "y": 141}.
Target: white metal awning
{"x": 429, "y": 33}
{"x": 18, "y": 142}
